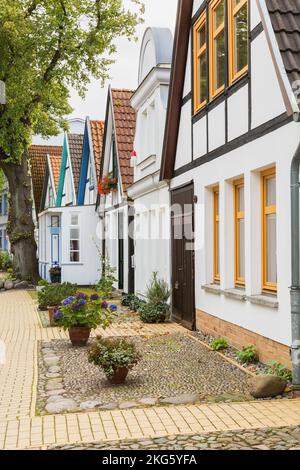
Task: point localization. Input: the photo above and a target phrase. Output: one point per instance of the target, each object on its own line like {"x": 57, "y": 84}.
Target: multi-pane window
{"x": 217, "y": 47}
{"x": 74, "y": 239}
{"x": 200, "y": 60}
{"x": 269, "y": 230}
{"x": 238, "y": 38}
{"x": 239, "y": 221}
{"x": 223, "y": 37}
{"x": 216, "y": 234}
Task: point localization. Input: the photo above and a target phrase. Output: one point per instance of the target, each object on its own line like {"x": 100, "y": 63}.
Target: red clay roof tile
{"x": 125, "y": 122}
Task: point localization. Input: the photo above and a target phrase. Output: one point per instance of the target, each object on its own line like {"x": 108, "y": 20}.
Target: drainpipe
{"x": 295, "y": 289}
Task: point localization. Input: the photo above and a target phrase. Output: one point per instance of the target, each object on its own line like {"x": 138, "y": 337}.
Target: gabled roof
{"x": 75, "y": 148}
{"x": 180, "y": 53}
{"x": 125, "y": 121}
{"x": 91, "y": 154}
{"x": 38, "y": 157}
{"x": 55, "y": 166}
{"x": 285, "y": 18}
{"x": 97, "y": 130}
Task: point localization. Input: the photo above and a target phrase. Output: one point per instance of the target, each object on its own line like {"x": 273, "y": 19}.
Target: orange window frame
{"x": 216, "y": 234}
{"x": 213, "y": 34}
{"x": 238, "y": 215}
{"x": 198, "y": 53}
{"x": 232, "y": 12}
{"x": 266, "y": 210}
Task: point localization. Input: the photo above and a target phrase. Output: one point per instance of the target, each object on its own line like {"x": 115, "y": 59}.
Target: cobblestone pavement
{"x": 20, "y": 330}
{"x": 267, "y": 439}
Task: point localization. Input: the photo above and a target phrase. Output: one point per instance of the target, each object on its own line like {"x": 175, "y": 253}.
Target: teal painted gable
{"x": 62, "y": 174}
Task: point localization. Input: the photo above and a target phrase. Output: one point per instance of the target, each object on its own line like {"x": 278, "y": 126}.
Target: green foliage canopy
{"x": 47, "y": 47}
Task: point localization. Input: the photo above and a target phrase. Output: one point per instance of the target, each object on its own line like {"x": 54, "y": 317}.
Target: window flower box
{"x": 108, "y": 185}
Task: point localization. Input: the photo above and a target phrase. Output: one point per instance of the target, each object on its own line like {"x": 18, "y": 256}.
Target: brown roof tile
{"x": 285, "y": 18}
{"x": 55, "y": 161}
{"x": 97, "y": 130}
{"x": 125, "y": 121}
{"x": 75, "y": 147}
{"x": 38, "y": 157}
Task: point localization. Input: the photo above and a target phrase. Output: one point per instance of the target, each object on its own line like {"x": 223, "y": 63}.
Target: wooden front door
{"x": 182, "y": 200}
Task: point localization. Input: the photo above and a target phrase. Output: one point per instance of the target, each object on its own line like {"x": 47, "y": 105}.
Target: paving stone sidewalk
{"x": 20, "y": 330}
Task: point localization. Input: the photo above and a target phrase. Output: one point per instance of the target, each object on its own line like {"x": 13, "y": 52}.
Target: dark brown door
{"x": 183, "y": 256}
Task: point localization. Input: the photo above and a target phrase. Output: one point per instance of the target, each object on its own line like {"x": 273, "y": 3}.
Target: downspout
{"x": 295, "y": 288}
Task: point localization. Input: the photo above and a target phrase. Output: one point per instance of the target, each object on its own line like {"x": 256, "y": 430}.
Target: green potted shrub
{"x": 115, "y": 356}
{"x": 51, "y": 296}
{"x": 157, "y": 308}
{"x": 80, "y": 314}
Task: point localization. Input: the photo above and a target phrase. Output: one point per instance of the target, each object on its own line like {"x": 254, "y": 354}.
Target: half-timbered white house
{"x": 232, "y": 131}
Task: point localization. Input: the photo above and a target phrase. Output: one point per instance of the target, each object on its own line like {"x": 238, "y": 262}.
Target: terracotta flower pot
{"x": 79, "y": 335}
{"x": 51, "y": 311}
{"x": 119, "y": 376}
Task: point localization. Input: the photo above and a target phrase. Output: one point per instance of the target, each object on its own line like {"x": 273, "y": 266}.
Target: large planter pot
{"x": 51, "y": 311}
{"x": 79, "y": 335}
{"x": 55, "y": 278}
{"x": 119, "y": 376}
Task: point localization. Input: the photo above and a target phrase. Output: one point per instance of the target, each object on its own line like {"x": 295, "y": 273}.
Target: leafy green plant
{"x": 53, "y": 294}
{"x": 154, "y": 313}
{"x": 105, "y": 285}
{"x": 82, "y": 310}
{"x": 219, "y": 343}
{"x": 132, "y": 301}
{"x": 6, "y": 262}
{"x": 114, "y": 354}
{"x": 158, "y": 291}
{"x": 43, "y": 283}
{"x": 248, "y": 354}
{"x": 280, "y": 370}
{"x": 157, "y": 309}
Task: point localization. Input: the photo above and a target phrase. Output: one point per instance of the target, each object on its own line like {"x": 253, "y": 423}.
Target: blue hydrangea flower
{"x": 58, "y": 315}
{"x": 81, "y": 295}
{"x": 95, "y": 297}
{"x": 67, "y": 301}
{"x": 81, "y": 302}
{"x": 104, "y": 304}
{"x": 113, "y": 307}
{"x": 76, "y": 307}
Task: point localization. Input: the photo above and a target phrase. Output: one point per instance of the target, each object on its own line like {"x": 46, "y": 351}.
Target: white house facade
{"x": 150, "y": 195}
{"x": 68, "y": 222}
{"x": 229, "y": 143}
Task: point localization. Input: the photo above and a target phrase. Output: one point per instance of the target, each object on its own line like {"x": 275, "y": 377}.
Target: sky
{"x": 124, "y": 72}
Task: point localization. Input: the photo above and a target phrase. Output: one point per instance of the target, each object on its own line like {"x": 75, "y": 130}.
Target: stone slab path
{"x": 20, "y": 329}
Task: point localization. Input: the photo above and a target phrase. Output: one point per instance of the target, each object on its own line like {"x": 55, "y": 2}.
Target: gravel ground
{"x": 267, "y": 439}
{"x": 171, "y": 366}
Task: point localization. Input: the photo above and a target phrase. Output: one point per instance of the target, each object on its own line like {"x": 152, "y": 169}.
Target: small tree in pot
{"x": 116, "y": 357}
{"x": 80, "y": 314}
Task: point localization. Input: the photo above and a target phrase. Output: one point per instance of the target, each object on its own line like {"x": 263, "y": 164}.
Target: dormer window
{"x": 220, "y": 37}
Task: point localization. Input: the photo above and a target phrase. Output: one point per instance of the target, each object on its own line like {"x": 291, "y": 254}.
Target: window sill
{"x": 264, "y": 301}
{"x": 236, "y": 294}
{"x": 212, "y": 289}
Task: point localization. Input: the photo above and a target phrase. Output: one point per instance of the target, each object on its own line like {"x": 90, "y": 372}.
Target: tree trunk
{"x": 21, "y": 227}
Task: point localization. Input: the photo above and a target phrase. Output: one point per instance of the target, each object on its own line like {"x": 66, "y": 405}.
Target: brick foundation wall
{"x": 240, "y": 337}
